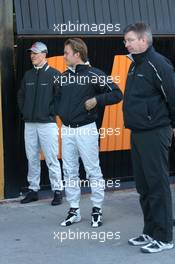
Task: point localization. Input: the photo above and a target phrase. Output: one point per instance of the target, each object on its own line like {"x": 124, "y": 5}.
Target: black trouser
{"x": 150, "y": 152}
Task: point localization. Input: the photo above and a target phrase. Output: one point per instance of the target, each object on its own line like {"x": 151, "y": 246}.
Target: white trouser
{"x": 42, "y": 136}
{"x": 82, "y": 142}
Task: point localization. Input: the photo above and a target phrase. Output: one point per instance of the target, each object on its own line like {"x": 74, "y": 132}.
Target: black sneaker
{"x": 156, "y": 246}
{"x": 96, "y": 217}
{"x": 57, "y": 199}
{"x": 141, "y": 240}
{"x": 73, "y": 217}
{"x": 31, "y": 196}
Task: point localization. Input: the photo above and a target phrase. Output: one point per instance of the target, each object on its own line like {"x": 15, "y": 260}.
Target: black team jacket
{"x": 36, "y": 96}
{"x": 149, "y": 99}
{"x": 80, "y": 85}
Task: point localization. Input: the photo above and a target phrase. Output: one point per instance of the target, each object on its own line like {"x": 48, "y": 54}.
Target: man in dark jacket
{"x": 36, "y": 99}
{"x": 83, "y": 88}
{"x": 149, "y": 111}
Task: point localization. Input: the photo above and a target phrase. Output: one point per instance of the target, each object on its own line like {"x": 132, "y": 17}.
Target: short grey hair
{"x": 141, "y": 29}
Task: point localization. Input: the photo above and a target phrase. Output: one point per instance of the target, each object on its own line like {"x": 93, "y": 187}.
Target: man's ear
{"x": 144, "y": 38}
{"x": 77, "y": 54}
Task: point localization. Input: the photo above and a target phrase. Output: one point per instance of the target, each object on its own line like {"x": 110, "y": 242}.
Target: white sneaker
{"x": 96, "y": 217}
{"x": 73, "y": 217}
{"x": 156, "y": 246}
{"x": 140, "y": 240}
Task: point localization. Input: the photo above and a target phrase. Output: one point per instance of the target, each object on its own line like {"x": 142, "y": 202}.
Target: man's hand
{"x": 90, "y": 104}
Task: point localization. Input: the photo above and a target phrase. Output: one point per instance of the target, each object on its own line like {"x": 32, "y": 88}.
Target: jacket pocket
{"x": 155, "y": 105}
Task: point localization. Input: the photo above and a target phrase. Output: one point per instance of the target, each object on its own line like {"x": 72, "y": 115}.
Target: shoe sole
{"x": 96, "y": 226}
{"x": 54, "y": 204}
{"x": 138, "y": 244}
{"x": 29, "y": 201}
{"x": 144, "y": 250}
{"x": 75, "y": 221}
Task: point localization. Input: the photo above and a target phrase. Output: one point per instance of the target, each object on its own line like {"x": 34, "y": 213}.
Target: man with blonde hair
{"x": 80, "y": 94}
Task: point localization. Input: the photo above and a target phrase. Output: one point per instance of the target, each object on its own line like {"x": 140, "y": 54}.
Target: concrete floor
{"x": 31, "y": 233}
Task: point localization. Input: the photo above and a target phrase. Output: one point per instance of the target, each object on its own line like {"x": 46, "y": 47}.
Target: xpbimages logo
{"x": 84, "y": 80}
{"x": 101, "y": 184}
{"x": 79, "y": 131}
{"x": 100, "y": 236}
{"x": 85, "y": 27}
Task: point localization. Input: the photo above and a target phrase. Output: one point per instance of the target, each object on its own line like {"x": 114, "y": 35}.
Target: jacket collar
{"x": 44, "y": 67}
{"x": 79, "y": 67}
{"x": 139, "y": 58}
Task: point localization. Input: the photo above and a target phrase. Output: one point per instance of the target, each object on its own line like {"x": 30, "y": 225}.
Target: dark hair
{"x": 78, "y": 45}
{"x": 141, "y": 29}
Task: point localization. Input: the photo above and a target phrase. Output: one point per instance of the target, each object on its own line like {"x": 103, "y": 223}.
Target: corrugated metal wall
{"x": 39, "y": 16}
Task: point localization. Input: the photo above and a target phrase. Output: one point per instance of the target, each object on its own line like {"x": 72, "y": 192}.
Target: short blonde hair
{"x": 78, "y": 45}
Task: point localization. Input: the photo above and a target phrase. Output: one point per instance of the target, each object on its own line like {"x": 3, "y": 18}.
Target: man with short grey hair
{"x": 149, "y": 111}
{"x": 36, "y": 102}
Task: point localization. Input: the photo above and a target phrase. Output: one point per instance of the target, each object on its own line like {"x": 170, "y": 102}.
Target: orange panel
{"x": 113, "y": 116}
{"x": 57, "y": 63}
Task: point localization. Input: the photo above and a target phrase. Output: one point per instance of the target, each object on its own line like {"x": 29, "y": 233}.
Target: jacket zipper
{"x": 36, "y": 90}
{"x": 70, "y": 99}
{"x": 132, "y": 78}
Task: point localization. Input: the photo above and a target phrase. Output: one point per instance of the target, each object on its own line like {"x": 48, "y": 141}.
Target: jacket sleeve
{"x": 57, "y": 91}
{"x": 56, "y": 83}
{"x": 21, "y": 95}
{"x": 167, "y": 85}
{"x": 108, "y": 92}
